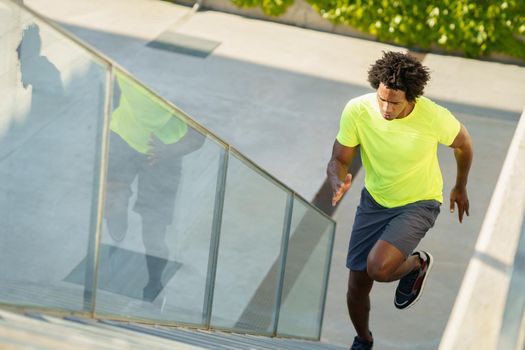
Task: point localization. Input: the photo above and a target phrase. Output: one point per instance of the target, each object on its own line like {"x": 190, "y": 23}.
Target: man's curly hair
{"x": 399, "y": 71}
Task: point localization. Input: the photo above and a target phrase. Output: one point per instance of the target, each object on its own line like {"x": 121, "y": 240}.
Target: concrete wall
{"x": 490, "y": 302}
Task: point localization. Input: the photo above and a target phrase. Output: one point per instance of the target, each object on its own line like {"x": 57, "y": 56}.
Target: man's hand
{"x": 340, "y": 189}
{"x": 463, "y": 153}
{"x": 459, "y": 196}
{"x": 338, "y": 169}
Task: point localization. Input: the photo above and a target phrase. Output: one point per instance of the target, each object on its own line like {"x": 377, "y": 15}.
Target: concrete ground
{"x": 275, "y": 92}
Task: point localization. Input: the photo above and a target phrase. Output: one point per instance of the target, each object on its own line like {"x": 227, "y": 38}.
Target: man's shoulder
{"x": 426, "y": 102}
{"x": 362, "y": 99}
{"x": 433, "y": 108}
{"x": 359, "y": 103}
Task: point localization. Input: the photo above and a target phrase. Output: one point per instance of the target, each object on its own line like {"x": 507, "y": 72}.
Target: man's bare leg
{"x": 358, "y": 302}
{"x": 386, "y": 263}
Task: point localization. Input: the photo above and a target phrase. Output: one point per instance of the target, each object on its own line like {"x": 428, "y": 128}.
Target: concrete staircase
{"x": 38, "y": 331}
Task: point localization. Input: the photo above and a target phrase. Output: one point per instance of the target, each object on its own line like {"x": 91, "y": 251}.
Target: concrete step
{"x": 39, "y": 331}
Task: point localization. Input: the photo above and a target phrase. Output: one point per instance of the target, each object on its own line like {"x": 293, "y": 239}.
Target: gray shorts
{"x": 402, "y": 227}
{"x": 157, "y": 182}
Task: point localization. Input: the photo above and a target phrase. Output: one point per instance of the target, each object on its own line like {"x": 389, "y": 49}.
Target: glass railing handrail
{"x": 244, "y": 246}
{"x": 187, "y": 118}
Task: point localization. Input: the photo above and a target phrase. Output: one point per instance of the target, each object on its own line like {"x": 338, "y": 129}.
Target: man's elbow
{"x": 463, "y": 141}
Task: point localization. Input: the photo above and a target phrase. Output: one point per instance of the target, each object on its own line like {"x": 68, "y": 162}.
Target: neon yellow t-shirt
{"x": 399, "y": 156}
{"x": 140, "y": 116}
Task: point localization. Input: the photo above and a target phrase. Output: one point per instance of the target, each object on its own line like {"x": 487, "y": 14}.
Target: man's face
{"x": 393, "y": 103}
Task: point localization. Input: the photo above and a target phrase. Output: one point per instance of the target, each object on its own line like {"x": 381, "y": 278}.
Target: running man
{"x": 398, "y": 131}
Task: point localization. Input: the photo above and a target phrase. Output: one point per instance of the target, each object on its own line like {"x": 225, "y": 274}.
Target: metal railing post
{"x": 215, "y": 239}
{"x": 326, "y": 279}
{"x": 97, "y": 206}
{"x": 282, "y": 268}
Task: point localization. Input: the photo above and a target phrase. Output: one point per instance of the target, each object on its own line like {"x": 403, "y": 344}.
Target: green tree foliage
{"x": 475, "y": 27}
{"x": 269, "y": 7}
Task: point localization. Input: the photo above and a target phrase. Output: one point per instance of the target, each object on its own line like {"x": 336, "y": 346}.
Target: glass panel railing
{"x": 116, "y": 203}
{"x": 250, "y": 245}
{"x": 51, "y": 125}
{"x": 159, "y": 209}
{"x": 306, "y": 273}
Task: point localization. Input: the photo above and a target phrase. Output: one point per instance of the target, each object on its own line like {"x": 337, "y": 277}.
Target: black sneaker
{"x": 410, "y": 286}
{"x": 361, "y": 344}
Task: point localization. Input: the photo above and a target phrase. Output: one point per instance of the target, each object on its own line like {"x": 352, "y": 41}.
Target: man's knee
{"x": 383, "y": 261}
{"x": 379, "y": 271}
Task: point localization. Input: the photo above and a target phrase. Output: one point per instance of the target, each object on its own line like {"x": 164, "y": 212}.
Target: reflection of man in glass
{"x": 24, "y": 167}
{"x": 37, "y": 70}
{"x": 147, "y": 142}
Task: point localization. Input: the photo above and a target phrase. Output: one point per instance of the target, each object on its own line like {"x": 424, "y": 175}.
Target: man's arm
{"x": 337, "y": 170}
{"x": 463, "y": 153}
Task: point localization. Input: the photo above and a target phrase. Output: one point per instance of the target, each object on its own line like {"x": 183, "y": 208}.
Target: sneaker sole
{"x": 422, "y": 284}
